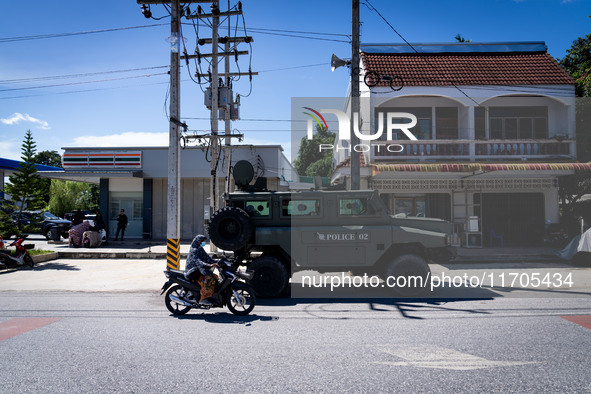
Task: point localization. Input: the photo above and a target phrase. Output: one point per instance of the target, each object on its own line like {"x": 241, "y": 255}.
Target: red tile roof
{"x": 468, "y": 69}
{"x": 347, "y": 162}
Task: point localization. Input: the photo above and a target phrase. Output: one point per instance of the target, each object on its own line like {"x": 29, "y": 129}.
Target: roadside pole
{"x": 355, "y": 164}
{"x": 174, "y": 149}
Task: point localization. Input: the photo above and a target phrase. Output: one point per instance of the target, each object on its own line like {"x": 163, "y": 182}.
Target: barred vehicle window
{"x": 300, "y": 207}
{"x": 257, "y": 208}
{"x": 354, "y": 206}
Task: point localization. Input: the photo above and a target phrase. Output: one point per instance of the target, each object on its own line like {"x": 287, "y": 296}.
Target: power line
{"x": 116, "y": 87}
{"x": 294, "y": 67}
{"x": 300, "y": 36}
{"x": 277, "y": 32}
{"x": 260, "y": 120}
{"x": 81, "y": 83}
{"x": 78, "y": 33}
{"x": 302, "y": 32}
{"x": 55, "y": 77}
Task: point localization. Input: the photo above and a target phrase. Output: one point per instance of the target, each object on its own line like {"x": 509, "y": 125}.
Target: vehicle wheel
{"x": 230, "y": 228}
{"x": 270, "y": 276}
{"x": 47, "y": 234}
{"x": 174, "y": 307}
{"x": 245, "y": 302}
{"x": 411, "y": 267}
{"x": 29, "y": 261}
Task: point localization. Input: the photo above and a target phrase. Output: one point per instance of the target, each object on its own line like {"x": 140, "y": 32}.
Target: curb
{"x": 546, "y": 258}
{"x": 113, "y": 255}
{"x": 41, "y": 258}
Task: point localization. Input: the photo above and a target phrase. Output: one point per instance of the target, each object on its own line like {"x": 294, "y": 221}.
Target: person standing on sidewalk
{"x": 121, "y": 224}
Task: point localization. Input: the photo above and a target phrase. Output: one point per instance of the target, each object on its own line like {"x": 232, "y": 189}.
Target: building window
{"x": 422, "y": 130}
{"x": 411, "y": 206}
{"x": 446, "y": 123}
{"x": 479, "y": 123}
{"x": 518, "y": 123}
{"x": 131, "y": 202}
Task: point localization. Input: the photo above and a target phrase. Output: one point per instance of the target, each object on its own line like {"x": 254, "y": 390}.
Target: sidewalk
{"x": 510, "y": 254}
{"x": 156, "y": 249}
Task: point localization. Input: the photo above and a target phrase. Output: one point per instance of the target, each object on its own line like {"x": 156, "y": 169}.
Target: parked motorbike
{"x": 21, "y": 257}
{"x": 554, "y": 235}
{"x": 230, "y": 290}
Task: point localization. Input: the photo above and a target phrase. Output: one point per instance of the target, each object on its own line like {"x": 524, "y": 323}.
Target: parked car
{"x": 45, "y": 221}
{"x": 88, "y": 215}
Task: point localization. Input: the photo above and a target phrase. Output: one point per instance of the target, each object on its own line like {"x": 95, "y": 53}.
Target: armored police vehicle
{"x": 279, "y": 233}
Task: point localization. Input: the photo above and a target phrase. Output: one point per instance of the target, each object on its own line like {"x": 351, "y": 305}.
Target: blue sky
{"x": 131, "y": 111}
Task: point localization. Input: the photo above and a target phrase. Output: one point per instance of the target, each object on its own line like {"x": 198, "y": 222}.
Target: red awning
{"x": 484, "y": 167}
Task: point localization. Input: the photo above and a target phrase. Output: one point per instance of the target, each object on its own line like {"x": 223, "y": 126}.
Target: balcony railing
{"x": 473, "y": 150}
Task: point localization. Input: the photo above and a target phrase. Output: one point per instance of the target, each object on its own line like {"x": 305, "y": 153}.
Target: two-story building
{"x": 495, "y": 128}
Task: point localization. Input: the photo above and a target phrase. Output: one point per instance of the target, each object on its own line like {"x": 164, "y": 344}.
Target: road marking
{"x": 13, "y": 327}
{"x": 581, "y": 320}
{"x": 431, "y": 356}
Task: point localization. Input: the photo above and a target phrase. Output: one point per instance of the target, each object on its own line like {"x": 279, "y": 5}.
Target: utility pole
{"x": 355, "y": 164}
{"x": 174, "y": 153}
{"x": 173, "y": 212}
{"x": 227, "y": 117}
{"x": 215, "y": 21}
{"x": 215, "y": 83}
{"x": 174, "y": 179}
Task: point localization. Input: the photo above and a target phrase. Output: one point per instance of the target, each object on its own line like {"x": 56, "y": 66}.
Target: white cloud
{"x": 10, "y": 150}
{"x": 16, "y": 118}
{"x": 130, "y": 138}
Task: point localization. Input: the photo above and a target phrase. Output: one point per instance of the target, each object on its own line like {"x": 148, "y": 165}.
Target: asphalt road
{"x": 128, "y": 342}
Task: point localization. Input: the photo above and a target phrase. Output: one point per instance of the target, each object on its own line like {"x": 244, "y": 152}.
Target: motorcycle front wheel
{"x": 174, "y": 307}
{"x": 241, "y": 301}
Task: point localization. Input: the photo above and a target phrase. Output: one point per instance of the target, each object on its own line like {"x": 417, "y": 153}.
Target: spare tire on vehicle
{"x": 230, "y": 228}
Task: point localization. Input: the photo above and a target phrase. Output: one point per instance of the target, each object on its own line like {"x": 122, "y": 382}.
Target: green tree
{"x": 571, "y": 188}
{"x": 311, "y": 161}
{"x": 24, "y": 189}
{"x": 577, "y": 63}
{"x": 67, "y": 196}
{"x": 459, "y": 38}
{"x": 47, "y": 158}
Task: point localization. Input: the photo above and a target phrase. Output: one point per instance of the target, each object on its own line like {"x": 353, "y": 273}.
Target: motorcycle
{"x": 230, "y": 290}
{"x": 21, "y": 257}
{"x": 554, "y": 235}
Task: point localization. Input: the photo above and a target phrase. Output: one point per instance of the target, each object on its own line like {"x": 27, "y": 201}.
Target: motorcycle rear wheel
{"x": 29, "y": 261}
{"x": 174, "y": 307}
{"x": 245, "y": 304}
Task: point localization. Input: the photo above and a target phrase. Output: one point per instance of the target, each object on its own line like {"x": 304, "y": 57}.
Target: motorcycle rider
{"x": 199, "y": 268}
